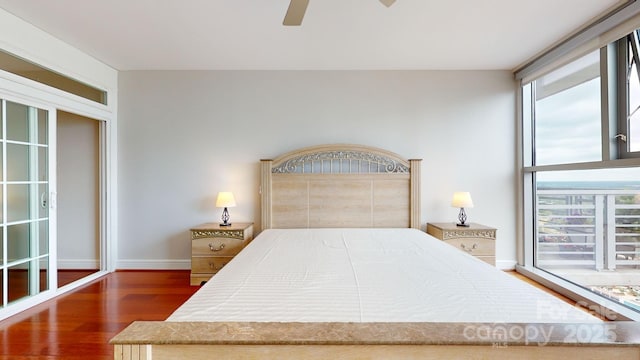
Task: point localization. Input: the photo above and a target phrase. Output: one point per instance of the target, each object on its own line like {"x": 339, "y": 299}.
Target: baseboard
{"x": 64, "y": 264}
{"x": 153, "y": 264}
{"x": 506, "y": 264}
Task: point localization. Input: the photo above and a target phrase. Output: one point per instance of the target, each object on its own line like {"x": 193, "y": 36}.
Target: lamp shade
{"x": 462, "y": 199}
{"x": 225, "y": 199}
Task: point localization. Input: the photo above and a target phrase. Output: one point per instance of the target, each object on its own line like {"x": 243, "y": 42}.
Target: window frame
{"x": 613, "y": 156}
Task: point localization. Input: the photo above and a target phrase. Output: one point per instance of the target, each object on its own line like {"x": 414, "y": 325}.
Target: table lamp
{"x": 462, "y": 200}
{"x": 225, "y": 200}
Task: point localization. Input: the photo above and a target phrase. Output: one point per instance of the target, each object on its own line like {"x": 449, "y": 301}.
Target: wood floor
{"x": 66, "y": 276}
{"x": 79, "y": 325}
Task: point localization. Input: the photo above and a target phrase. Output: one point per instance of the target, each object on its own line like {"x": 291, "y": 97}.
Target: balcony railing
{"x": 596, "y": 229}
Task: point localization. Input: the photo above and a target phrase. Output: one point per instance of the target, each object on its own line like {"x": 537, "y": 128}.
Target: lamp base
{"x": 462, "y": 218}
{"x": 225, "y": 218}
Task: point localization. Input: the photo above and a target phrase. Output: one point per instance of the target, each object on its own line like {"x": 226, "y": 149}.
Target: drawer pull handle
{"x": 469, "y": 249}
{"x": 214, "y": 249}
{"x": 212, "y": 266}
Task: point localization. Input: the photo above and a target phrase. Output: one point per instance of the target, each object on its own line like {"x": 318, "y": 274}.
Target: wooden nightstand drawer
{"x": 473, "y": 246}
{"x": 209, "y": 264}
{"x": 475, "y": 239}
{"x": 241, "y": 231}
{"x": 216, "y": 246}
{"x": 213, "y": 246}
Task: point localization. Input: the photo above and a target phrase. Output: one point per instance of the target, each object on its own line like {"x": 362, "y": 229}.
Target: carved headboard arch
{"x": 340, "y": 185}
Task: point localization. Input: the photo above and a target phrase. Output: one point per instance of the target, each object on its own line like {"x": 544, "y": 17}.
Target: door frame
{"x": 25, "y": 91}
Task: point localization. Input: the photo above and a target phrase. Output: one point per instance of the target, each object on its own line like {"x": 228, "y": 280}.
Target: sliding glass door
{"x": 581, "y": 175}
{"x": 27, "y": 267}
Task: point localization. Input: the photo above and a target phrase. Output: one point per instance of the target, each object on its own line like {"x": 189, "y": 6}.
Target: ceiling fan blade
{"x": 387, "y": 3}
{"x": 295, "y": 13}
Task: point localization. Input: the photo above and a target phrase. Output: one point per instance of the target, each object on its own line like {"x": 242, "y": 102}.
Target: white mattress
{"x": 366, "y": 275}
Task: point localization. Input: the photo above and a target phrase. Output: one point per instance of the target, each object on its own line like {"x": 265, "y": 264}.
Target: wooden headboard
{"x": 340, "y": 185}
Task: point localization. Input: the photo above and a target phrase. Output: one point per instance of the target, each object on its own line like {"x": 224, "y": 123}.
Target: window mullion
{"x": 607, "y": 100}
{"x": 623, "y": 69}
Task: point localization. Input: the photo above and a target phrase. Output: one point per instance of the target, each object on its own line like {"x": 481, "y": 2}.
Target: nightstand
{"x": 213, "y": 246}
{"x": 478, "y": 240}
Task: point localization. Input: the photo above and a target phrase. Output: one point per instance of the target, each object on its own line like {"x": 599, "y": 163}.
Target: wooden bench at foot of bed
{"x": 197, "y": 340}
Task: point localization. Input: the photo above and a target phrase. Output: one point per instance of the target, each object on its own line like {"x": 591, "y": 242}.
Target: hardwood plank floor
{"x": 66, "y": 276}
{"x": 540, "y": 286}
{"x": 80, "y": 324}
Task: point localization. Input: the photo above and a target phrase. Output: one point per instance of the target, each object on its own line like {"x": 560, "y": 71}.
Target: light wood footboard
{"x": 198, "y": 340}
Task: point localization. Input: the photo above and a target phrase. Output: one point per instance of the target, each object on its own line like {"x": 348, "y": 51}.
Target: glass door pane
{"x": 588, "y": 230}
{"x": 24, "y": 195}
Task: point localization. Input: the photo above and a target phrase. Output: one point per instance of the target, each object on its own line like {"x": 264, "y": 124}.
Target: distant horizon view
{"x": 589, "y": 185}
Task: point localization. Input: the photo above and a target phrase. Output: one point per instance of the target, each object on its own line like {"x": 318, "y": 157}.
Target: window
{"x": 629, "y": 123}
{"x": 567, "y": 110}
{"x": 588, "y": 221}
{"x": 581, "y": 166}
{"x": 24, "y": 224}
{"x": 29, "y": 70}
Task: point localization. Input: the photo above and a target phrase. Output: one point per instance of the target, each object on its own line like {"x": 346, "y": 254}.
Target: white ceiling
{"x": 335, "y": 34}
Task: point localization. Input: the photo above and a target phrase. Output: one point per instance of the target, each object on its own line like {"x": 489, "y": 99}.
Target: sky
{"x": 567, "y": 127}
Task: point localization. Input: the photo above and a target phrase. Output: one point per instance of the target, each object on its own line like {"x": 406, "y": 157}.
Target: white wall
{"x": 184, "y": 136}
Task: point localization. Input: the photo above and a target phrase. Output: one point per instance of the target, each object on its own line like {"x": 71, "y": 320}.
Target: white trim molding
{"x": 506, "y": 264}
{"x": 145, "y": 264}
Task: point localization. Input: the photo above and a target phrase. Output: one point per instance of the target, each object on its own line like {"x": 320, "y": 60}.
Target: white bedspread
{"x": 366, "y": 275}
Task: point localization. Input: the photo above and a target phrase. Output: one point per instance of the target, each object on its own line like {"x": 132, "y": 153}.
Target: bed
{"x": 342, "y": 269}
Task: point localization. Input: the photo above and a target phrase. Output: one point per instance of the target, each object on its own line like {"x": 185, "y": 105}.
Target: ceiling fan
{"x": 297, "y": 8}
